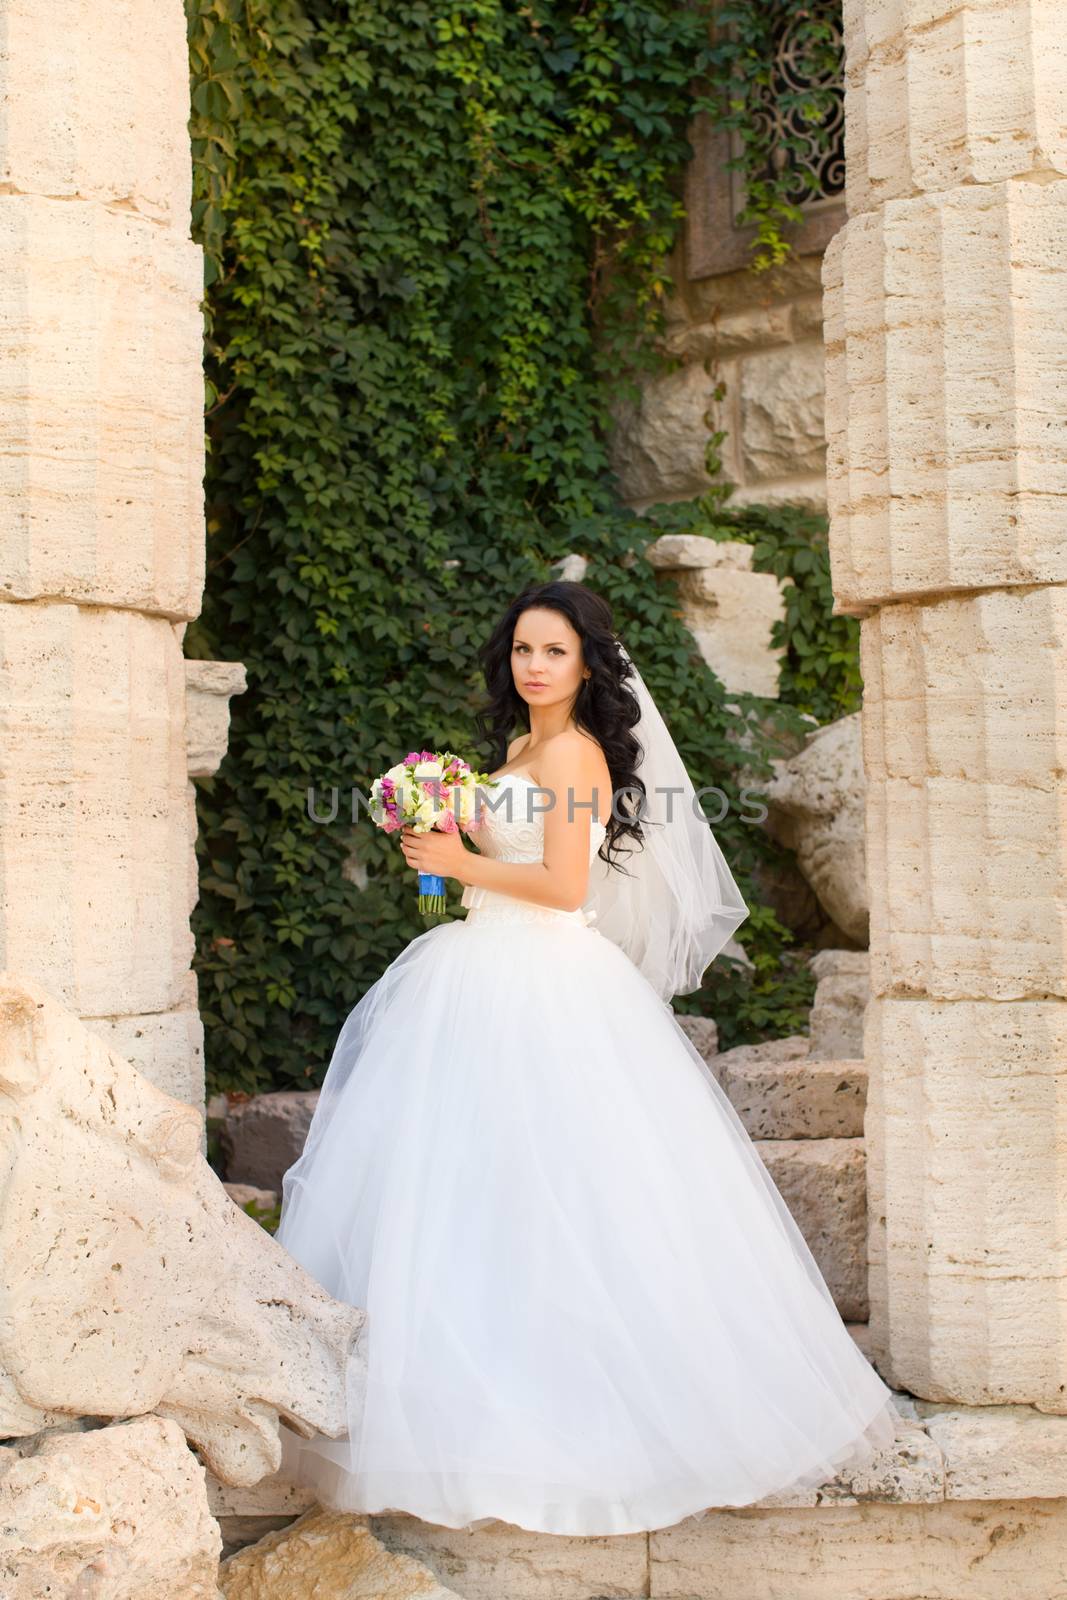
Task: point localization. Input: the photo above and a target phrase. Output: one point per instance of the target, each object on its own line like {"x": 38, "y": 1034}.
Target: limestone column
{"x": 946, "y": 301}
{"x": 102, "y": 556}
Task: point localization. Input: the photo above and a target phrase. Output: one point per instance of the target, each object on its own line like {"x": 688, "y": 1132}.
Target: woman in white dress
{"x": 589, "y": 1310}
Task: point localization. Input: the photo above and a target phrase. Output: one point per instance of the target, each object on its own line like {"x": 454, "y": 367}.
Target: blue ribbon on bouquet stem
{"x": 431, "y": 893}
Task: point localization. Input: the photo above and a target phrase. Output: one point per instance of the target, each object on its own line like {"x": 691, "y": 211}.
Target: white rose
{"x": 427, "y": 813}
{"x": 467, "y": 802}
{"x": 429, "y": 769}
{"x": 399, "y": 773}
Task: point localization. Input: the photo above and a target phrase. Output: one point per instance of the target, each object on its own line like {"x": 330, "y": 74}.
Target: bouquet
{"x": 429, "y": 789}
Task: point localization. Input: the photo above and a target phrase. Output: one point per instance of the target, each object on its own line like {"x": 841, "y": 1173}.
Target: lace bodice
{"x": 516, "y": 832}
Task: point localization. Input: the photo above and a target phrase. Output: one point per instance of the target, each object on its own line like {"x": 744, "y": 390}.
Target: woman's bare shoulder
{"x": 517, "y": 744}
{"x": 576, "y": 750}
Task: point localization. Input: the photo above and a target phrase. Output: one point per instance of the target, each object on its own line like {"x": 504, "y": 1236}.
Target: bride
{"x": 588, "y": 1308}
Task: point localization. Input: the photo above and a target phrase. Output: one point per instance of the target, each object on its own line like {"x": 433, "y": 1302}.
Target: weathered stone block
{"x": 816, "y": 808}
{"x": 782, "y": 422}
{"x": 119, "y": 1512}
{"x": 659, "y": 447}
{"x": 841, "y": 995}
{"x": 97, "y": 812}
{"x": 209, "y": 686}
{"x": 952, "y": 1551}
{"x": 822, "y": 1181}
{"x": 500, "y": 1559}
{"x": 967, "y": 1139}
{"x": 101, "y": 408}
{"x": 166, "y": 1047}
{"x": 131, "y": 1281}
{"x": 262, "y": 1137}
{"x": 966, "y": 832}
{"x": 941, "y": 93}
{"x": 803, "y": 1099}
{"x": 96, "y": 105}
{"x": 946, "y": 397}
{"x": 331, "y": 1554}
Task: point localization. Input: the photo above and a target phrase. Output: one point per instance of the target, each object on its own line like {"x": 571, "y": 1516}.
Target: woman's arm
{"x": 570, "y": 766}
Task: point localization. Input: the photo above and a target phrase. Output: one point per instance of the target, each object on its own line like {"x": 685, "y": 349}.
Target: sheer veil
{"x": 676, "y": 904}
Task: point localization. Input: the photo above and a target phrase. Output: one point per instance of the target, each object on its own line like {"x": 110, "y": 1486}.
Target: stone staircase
{"x": 970, "y": 1504}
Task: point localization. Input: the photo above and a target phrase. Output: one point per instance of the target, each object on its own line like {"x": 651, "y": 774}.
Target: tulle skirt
{"x": 589, "y": 1310}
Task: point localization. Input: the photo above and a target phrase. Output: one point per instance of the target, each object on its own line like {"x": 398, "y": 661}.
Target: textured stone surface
{"x": 659, "y": 446}
{"x": 946, "y": 346}
{"x": 732, "y": 613}
{"x": 966, "y": 1141}
{"x": 208, "y": 688}
{"x": 96, "y": 101}
{"x": 166, "y": 1047}
{"x": 911, "y": 1472}
{"x": 942, "y": 94}
{"x": 101, "y": 413}
{"x": 803, "y": 1099}
{"x": 262, "y": 1137}
{"x": 955, "y": 1551}
{"x": 500, "y": 1559}
{"x": 822, "y": 1181}
{"x": 729, "y": 609}
{"x": 96, "y": 811}
{"x": 678, "y": 552}
{"x": 131, "y": 1282}
{"x": 782, "y": 426}
{"x": 759, "y": 338}
{"x": 966, "y": 834}
{"x": 330, "y": 1554}
{"x": 119, "y": 1512}
{"x": 995, "y": 1452}
{"x": 841, "y": 995}
{"x": 816, "y": 808}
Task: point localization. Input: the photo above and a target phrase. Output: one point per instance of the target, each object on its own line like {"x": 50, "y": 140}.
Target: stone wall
{"x": 102, "y": 564}
{"x": 946, "y": 298}
{"x": 751, "y": 364}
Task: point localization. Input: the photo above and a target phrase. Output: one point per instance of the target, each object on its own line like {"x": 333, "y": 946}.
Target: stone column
{"x": 946, "y": 302}
{"x": 102, "y": 559}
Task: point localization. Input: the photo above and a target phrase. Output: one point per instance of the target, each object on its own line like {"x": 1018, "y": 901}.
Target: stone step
{"x": 968, "y": 1504}
{"x": 823, "y": 1182}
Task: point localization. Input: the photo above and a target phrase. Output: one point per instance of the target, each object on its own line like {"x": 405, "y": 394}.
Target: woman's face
{"x": 546, "y": 658}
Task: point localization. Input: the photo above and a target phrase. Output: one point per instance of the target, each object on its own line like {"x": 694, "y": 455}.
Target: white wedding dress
{"x": 588, "y": 1308}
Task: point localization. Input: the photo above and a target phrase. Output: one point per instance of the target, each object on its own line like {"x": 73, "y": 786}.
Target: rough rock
{"x": 823, "y": 1182}
{"x": 262, "y": 1137}
{"x": 330, "y": 1554}
{"x": 783, "y": 430}
{"x": 940, "y": 1551}
{"x": 209, "y": 686}
{"x": 801, "y": 1099}
{"x": 729, "y": 609}
{"x": 131, "y": 1281}
{"x": 816, "y": 808}
{"x": 659, "y": 446}
{"x": 998, "y": 1452}
{"x": 119, "y": 1512}
{"x": 841, "y": 995}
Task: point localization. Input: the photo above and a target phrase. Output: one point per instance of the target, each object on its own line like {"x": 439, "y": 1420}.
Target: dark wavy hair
{"x": 605, "y": 707}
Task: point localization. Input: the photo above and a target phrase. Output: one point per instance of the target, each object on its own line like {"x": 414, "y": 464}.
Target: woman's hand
{"x": 436, "y": 851}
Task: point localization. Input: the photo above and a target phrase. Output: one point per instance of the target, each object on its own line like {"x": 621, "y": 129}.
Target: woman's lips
{"x": 536, "y": 686}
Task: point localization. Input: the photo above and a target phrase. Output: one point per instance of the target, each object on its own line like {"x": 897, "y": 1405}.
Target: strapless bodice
{"x": 515, "y": 831}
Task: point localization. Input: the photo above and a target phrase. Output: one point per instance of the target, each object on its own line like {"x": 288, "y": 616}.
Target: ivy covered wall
{"x": 436, "y": 238}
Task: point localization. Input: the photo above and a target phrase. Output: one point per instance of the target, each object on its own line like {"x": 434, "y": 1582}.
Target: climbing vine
{"x": 775, "y": 72}
{"x": 436, "y": 237}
